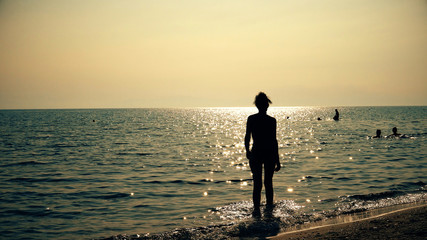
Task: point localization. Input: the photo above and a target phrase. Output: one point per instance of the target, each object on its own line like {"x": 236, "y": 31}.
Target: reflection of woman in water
{"x": 264, "y": 151}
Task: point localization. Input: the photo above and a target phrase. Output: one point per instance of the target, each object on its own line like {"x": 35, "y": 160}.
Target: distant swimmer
{"x": 395, "y": 134}
{"x": 337, "y": 115}
{"x": 378, "y": 134}
{"x": 319, "y": 119}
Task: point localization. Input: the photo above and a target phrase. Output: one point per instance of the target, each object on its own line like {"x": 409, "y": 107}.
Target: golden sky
{"x": 203, "y": 53}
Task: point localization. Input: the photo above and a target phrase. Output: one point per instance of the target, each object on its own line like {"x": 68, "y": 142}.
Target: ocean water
{"x": 182, "y": 173}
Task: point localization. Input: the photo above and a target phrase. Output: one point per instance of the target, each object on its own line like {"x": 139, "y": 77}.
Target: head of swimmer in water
{"x": 262, "y": 102}
{"x": 378, "y": 132}
{"x": 394, "y": 130}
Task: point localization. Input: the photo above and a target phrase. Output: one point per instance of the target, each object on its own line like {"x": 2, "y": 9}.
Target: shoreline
{"x": 388, "y": 223}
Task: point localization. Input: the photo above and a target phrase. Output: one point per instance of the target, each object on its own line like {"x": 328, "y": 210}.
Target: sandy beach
{"x": 407, "y": 223}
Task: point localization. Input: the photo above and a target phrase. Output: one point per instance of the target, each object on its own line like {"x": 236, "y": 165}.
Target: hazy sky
{"x": 186, "y": 53}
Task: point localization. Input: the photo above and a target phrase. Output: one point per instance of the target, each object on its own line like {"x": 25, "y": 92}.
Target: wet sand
{"x": 407, "y": 223}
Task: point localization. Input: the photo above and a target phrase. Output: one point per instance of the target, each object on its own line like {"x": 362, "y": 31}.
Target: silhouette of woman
{"x": 264, "y": 151}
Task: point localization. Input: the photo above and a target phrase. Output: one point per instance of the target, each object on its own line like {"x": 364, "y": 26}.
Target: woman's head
{"x": 262, "y": 102}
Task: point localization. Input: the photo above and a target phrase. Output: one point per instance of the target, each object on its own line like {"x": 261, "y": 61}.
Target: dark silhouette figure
{"x": 262, "y": 129}
{"x": 394, "y": 130}
{"x": 378, "y": 134}
{"x": 337, "y": 115}
{"x": 395, "y": 134}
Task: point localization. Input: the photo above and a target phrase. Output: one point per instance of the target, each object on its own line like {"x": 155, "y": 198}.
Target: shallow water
{"x": 68, "y": 174}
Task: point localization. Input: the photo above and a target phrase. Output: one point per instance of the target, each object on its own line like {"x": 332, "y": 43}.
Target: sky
{"x": 204, "y": 53}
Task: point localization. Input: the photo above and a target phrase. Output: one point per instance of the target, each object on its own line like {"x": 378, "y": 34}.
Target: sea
{"x": 181, "y": 173}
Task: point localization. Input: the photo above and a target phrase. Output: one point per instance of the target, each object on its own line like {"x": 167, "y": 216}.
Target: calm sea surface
{"x": 182, "y": 173}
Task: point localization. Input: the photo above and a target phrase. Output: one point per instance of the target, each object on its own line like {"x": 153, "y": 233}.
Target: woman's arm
{"x": 248, "y": 138}
{"x": 276, "y": 148}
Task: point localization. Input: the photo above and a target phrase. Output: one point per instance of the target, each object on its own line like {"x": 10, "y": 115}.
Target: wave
{"x": 201, "y": 181}
{"x": 113, "y": 195}
{"x": 241, "y": 221}
{"x": 23, "y": 163}
{"x": 26, "y": 179}
{"x": 41, "y": 211}
{"x": 133, "y": 154}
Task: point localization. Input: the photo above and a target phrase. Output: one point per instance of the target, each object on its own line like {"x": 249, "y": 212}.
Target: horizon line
{"x": 206, "y": 107}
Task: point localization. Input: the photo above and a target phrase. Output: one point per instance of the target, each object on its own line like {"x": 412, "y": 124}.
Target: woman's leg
{"x": 268, "y": 182}
{"x": 256, "y": 169}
